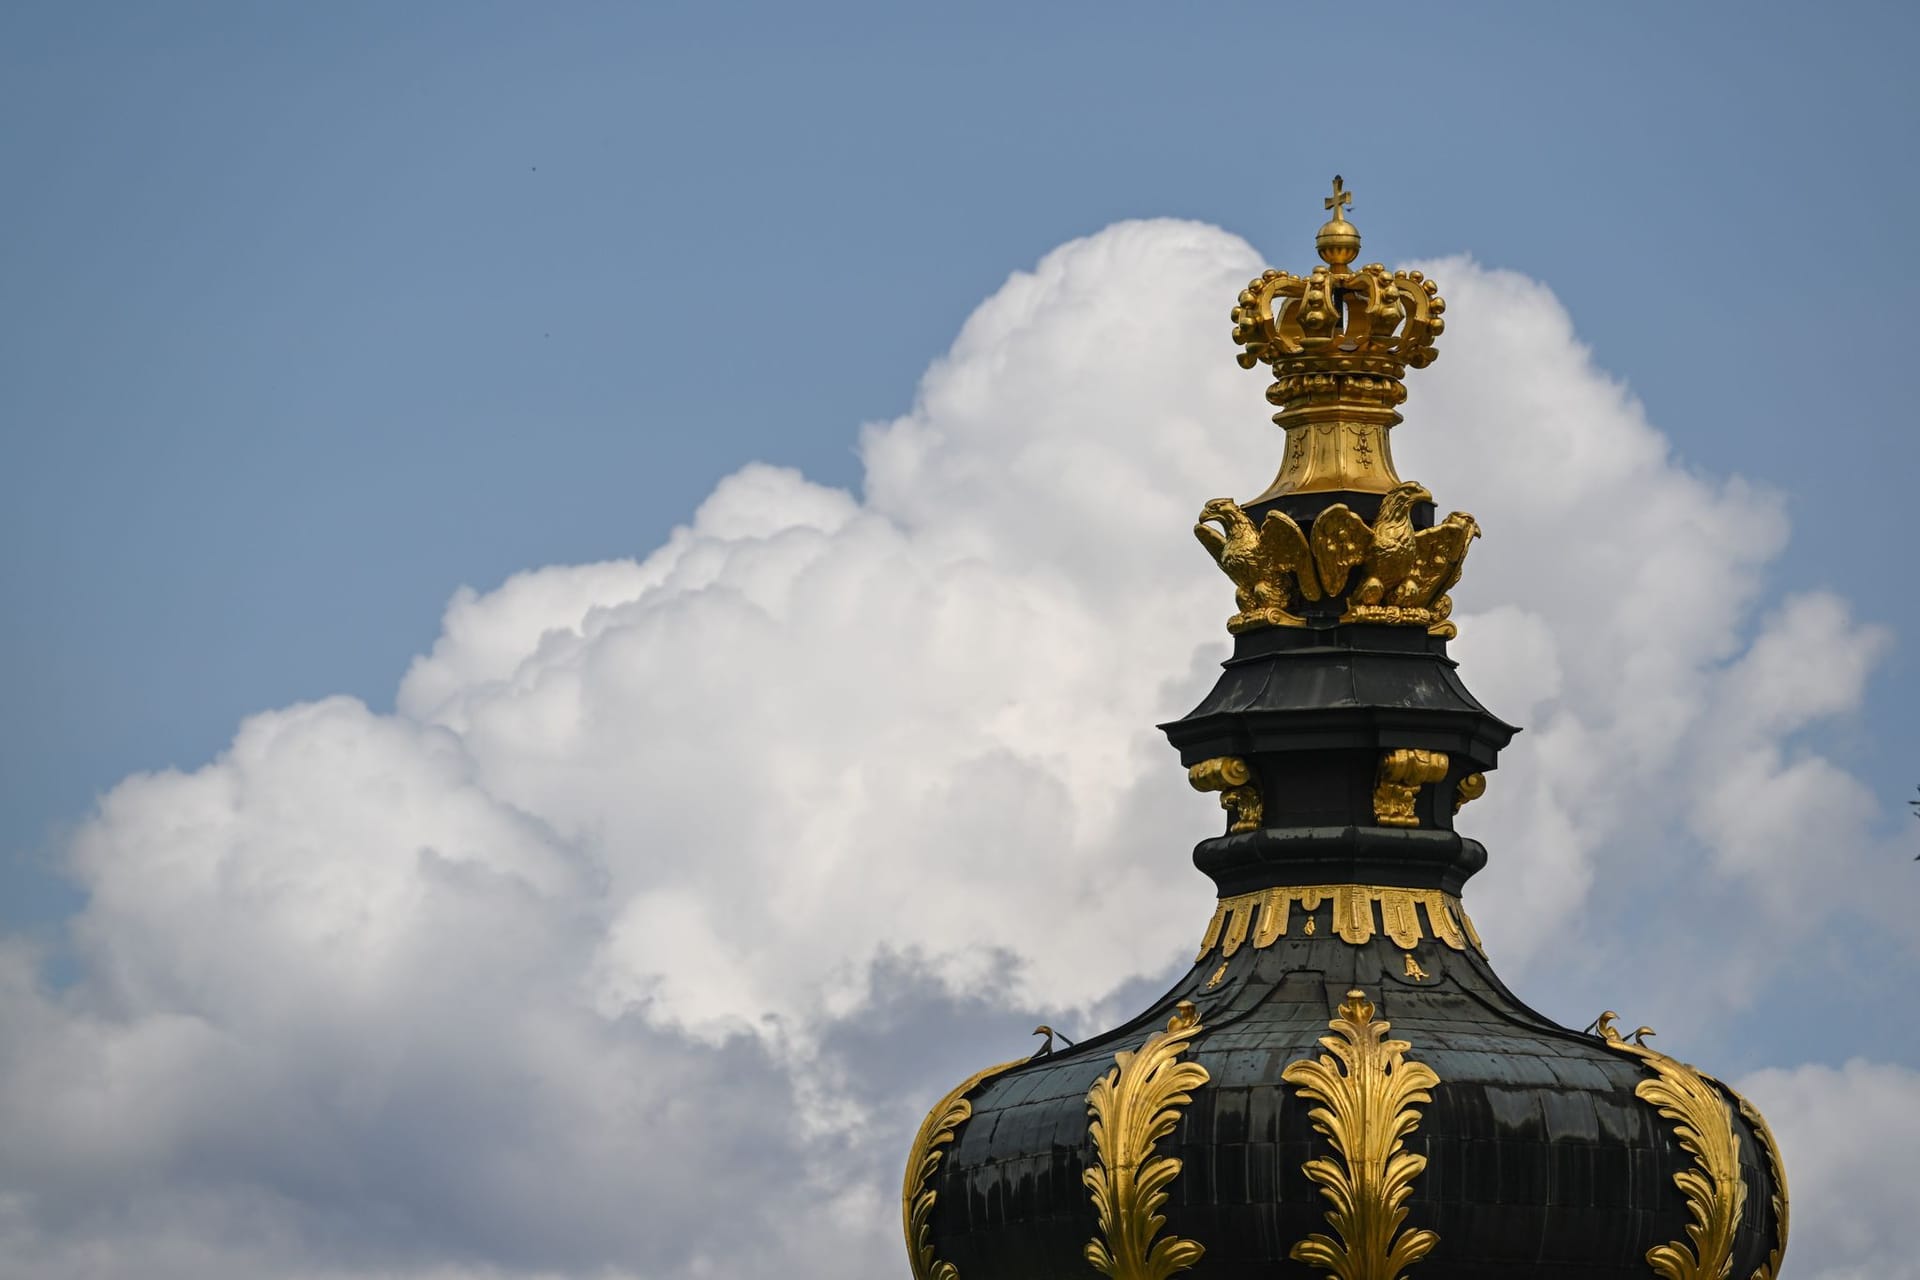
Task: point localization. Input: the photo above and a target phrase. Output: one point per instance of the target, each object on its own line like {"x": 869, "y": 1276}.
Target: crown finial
{"x": 1339, "y": 240}
{"x": 1340, "y": 199}
{"x": 1339, "y": 341}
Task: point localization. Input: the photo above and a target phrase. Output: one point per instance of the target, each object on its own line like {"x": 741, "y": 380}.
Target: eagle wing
{"x": 1284, "y": 548}
{"x": 1440, "y": 555}
{"x": 1211, "y": 538}
{"x": 1341, "y": 542}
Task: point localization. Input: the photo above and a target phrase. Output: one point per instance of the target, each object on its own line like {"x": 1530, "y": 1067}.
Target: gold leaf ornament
{"x": 1134, "y": 1105}
{"x": 1368, "y": 1093}
{"x": 1714, "y": 1190}
{"x": 1770, "y": 1269}
{"x": 923, "y": 1160}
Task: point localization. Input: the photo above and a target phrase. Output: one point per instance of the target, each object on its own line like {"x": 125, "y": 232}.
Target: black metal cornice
{"x": 1314, "y": 717}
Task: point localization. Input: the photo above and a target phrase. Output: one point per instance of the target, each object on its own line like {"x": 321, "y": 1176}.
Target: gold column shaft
{"x": 1335, "y": 448}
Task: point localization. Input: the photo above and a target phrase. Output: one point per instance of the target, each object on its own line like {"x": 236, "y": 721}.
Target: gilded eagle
{"x": 1401, "y": 567}
{"x": 1265, "y": 564}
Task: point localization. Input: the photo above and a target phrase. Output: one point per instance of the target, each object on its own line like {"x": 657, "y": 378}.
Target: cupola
{"x": 1341, "y": 1085}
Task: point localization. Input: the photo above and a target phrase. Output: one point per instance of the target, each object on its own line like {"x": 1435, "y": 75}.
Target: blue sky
{"x": 316, "y": 314}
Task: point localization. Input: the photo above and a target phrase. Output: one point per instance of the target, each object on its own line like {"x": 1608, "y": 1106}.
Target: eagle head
{"x": 1397, "y": 506}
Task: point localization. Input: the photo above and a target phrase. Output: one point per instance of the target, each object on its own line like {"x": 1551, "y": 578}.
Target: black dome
{"x": 1538, "y": 1152}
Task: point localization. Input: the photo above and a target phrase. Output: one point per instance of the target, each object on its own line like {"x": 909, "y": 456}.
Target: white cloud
{"x": 480, "y": 987}
{"x": 1849, "y": 1135}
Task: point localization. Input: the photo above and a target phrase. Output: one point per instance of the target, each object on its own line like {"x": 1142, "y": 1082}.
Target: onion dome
{"x": 1341, "y": 1085}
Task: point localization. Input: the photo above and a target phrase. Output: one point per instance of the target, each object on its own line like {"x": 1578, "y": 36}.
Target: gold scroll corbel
{"x": 1470, "y": 788}
{"x": 923, "y": 1160}
{"x": 1133, "y": 1106}
{"x": 1402, "y": 774}
{"x": 1369, "y": 1094}
{"x": 1715, "y": 1192}
{"x": 1239, "y": 794}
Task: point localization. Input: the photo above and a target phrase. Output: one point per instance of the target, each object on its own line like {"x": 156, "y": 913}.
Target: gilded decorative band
{"x": 1404, "y": 915}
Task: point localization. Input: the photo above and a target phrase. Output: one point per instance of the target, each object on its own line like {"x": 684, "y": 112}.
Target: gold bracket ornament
{"x": 1233, "y": 779}
{"x": 1471, "y": 788}
{"x": 1414, "y": 970}
{"x": 1369, "y": 1094}
{"x": 1400, "y": 575}
{"x": 1715, "y": 1192}
{"x": 1133, "y": 1106}
{"x": 1402, "y": 774}
{"x": 923, "y": 1160}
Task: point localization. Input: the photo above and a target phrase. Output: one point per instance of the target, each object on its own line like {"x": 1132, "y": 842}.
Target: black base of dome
{"x": 1539, "y": 1156}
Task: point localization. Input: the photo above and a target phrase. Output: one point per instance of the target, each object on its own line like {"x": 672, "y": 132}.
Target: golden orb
{"x": 1338, "y": 243}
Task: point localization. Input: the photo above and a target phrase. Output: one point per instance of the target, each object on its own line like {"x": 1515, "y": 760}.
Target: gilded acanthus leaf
{"x": 1368, "y": 1094}
{"x": 1132, "y": 1107}
{"x": 923, "y": 1159}
{"x": 1714, "y": 1190}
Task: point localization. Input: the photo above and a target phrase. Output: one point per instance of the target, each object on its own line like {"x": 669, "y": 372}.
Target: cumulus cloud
{"x": 694, "y": 877}
{"x": 1849, "y": 1134}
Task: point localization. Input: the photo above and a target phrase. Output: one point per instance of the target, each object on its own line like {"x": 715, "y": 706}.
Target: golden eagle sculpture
{"x": 1404, "y": 573}
{"x": 1400, "y": 575}
{"x": 1268, "y": 566}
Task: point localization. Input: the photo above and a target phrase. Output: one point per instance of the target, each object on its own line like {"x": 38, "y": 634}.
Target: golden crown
{"x": 1339, "y": 342}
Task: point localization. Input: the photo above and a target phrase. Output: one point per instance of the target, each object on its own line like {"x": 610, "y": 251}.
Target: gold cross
{"x": 1340, "y": 198}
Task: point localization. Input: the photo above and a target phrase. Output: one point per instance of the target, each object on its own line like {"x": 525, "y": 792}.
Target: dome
{"x": 1341, "y": 1085}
